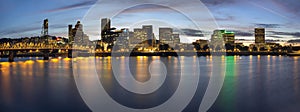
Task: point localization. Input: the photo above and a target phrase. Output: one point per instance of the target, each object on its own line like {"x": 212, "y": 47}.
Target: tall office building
{"x": 227, "y": 37}
{"x": 123, "y": 36}
{"x": 131, "y": 38}
{"x": 259, "y": 35}
{"x": 221, "y": 37}
{"x": 105, "y": 24}
{"x": 166, "y": 35}
{"x": 176, "y": 38}
{"x": 138, "y": 38}
{"x": 149, "y": 30}
{"x": 107, "y": 34}
{"x": 70, "y": 33}
{"x": 105, "y": 30}
{"x": 77, "y": 35}
{"x": 140, "y": 35}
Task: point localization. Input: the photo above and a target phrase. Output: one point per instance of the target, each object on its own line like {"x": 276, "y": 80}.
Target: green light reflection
{"x": 228, "y": 93}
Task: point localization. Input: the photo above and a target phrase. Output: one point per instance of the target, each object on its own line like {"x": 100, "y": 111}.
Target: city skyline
{"x": 110, "y": 32}
{"x": 277, "y": 19}
{"x": 149, "y": 55}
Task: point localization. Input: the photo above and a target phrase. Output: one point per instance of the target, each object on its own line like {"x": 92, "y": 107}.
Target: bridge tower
{"x": 45, "y": 27}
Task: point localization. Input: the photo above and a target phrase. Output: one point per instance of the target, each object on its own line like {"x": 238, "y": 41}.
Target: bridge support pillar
{"x": 69, "y": 53}
{"x": 11, "y": 56}
{"x": 46, "y": 56}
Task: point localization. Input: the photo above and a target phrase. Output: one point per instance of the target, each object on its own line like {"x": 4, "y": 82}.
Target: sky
{"x": 279, "y": 17}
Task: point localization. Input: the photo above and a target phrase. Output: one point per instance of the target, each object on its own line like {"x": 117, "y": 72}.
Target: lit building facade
{"x": 166, "y": 35}
{"x": 222, "y": 35}
{"x": 138, "y": 38}
{"x": 229, "y": 37}
{"x": 259, "y": 35}
{"x": 70, "y": 33}
{"x": 176, "y": 38}
{"x": 149, "y": 31}
{"x": 76, "y": 35}
{"x": 123, "y": 37}
{"x": 105, "y": 24}
{"x": 107, "y": 35}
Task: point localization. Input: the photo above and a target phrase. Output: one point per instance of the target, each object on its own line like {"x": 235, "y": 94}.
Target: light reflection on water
{"x": 252, "y": 83}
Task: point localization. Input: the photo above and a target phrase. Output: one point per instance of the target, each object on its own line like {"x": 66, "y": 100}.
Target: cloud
{"x": 294, "y": 41}
{"x": 218, "y": 2}
{"x": 218, "y": 18}
{"x": 191, "y": 32}
{"x": 21, "y": 30}
{"x": 294, "y": 34}
{"x": 72, "y": 6}
{"x": 290, "y": 6}
{"x": 227, "y": 18}
{"x": 268, "y": 9}
{"x": 146, "y": 8}
{"x": 242, "y": 33}
{"x": 273, "y": 36}
{"x": 57, "y": 26}
{"x": 30, "y": 29}
{"x": 268, "y": 25}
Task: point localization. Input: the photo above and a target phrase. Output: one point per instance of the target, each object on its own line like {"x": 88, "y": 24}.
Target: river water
{"x": 251, "y": 83}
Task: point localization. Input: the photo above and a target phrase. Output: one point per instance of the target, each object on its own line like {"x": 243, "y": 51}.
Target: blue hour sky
{"x": 281, "y": 18}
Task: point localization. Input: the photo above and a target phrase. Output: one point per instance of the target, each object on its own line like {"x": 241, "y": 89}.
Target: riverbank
{"x": 105, "y": 54}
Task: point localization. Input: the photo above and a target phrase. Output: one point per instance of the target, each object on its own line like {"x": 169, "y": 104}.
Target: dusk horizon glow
{"x": 150, "y": 55}
{"x": 280, "y": 18}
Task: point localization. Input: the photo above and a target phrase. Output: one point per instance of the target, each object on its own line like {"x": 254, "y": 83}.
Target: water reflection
{"x": 140, "y": 68}
{"x": 37, "y": 85}
{"x": 296, "y": 75}
{"x": 252, "y": 83}
{"x": 227, "y": 98}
